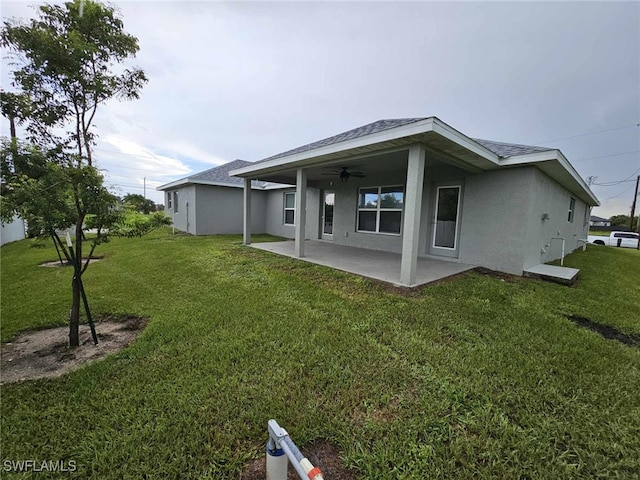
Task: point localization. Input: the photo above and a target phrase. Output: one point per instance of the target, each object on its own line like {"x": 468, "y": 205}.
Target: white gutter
{"x": 188, "y": 181}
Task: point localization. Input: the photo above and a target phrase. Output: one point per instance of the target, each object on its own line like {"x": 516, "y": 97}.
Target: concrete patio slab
{"x": 552, "y": 273}
{"x": 384, "y": 266}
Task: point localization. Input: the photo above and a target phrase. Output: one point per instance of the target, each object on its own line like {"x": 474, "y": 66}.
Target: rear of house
{"x": 419, "y": 188}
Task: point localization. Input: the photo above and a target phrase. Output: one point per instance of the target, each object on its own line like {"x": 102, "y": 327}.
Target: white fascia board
{"x": 190, "y": 181}
{"x": 454, "y": 135}
{"x": 176, "y": 183}
{"x": 551, "y": 155}
{"x": 298, "y": 159}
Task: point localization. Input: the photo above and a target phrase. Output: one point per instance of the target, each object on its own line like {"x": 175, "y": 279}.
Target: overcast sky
{"x": 251, "y": 79}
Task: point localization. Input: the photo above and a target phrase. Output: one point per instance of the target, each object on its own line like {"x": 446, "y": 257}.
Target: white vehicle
{"x": 616, "y": 239}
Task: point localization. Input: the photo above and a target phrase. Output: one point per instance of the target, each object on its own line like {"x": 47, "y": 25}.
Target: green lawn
{"x": 471, "y": 378}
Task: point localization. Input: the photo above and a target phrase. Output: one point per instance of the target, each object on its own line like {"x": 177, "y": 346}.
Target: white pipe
{"x": 277, "y": 463}
{"x": 279, "y": 438}
{"x": 562, "y": 257}
{"x": 584, "y": 243}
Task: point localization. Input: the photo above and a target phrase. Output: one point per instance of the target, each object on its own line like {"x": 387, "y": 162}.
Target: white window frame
{"x": 287, "y": 209}
{"x": 169, "y": 200}
{"x": 379, "y": 209}
{"x": 572, "y": 210}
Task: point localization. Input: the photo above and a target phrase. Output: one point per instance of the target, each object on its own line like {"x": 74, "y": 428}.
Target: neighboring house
{"x": 596, "y": 221}
{"x": 12, "y": 231}
{"x": 210, "y": 202}
{"x": 419, "y": 188}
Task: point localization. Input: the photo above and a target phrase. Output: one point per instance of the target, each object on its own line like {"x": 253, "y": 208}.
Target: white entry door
{"x": 446, "y": 221}
{"x": 328, "y": 203}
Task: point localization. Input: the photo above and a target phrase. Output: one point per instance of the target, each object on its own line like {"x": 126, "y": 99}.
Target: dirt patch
{"x": 607, "y": 331}
{"x": 320, "y": 452}
{"x": 45, "y": 354}
{"x": 507, "y": 277}
{"x": 56, "y": 263}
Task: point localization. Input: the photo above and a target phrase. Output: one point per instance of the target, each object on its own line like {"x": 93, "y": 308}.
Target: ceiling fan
{"x": 344, "y": 174}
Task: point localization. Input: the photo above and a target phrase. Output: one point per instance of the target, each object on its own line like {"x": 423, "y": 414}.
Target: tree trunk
{"x": 74, "y": 318}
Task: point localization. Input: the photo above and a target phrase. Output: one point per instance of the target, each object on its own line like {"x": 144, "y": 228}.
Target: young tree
{"x": 68, "y": 62}
{"x": 139, "y": 203}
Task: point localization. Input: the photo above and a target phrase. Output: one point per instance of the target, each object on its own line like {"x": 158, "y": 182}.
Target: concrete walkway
{"x": 375, "y": 264}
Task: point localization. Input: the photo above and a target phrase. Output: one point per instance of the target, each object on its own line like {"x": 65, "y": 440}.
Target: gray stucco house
{"x": 210, "y": 202}
{"x": 418, "y": 188}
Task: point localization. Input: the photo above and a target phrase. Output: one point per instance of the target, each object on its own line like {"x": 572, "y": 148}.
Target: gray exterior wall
{"x": 502, "y": 226}
{"x": 551, "y": 198}
{"x": 215, "y": 210}
{"x": 12, "y": 231}
{"x": 495, "y": 219}
{"x": 275, "y": 214}
{"x": 220, "y": 210}
{"x": 185, "y": 218}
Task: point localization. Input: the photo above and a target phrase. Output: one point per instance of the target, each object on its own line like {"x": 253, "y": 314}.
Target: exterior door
{"x": 328, "y": 201}
{"x": 446, "y": 221}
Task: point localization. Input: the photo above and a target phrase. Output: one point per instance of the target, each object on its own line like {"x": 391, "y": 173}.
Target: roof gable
{"x": 220, "y": 174}
{"x": 217, "y": 176}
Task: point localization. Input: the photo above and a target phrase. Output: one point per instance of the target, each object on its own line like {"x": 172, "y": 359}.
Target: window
{"x": 625, "y": 235}
{"x": 380, "y": 209}
{"x": 169, "y": 200}
{"x": 175, "y": 202}
{"x": 289, "y": 208}
{"x": 572, "y": 209}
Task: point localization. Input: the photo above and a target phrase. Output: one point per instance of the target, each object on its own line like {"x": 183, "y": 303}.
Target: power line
{"x": 605, "y": 156}
{"x": 621, "y": 193}
{"x": 618, "y": 182}
{"x": 592, "y": 133}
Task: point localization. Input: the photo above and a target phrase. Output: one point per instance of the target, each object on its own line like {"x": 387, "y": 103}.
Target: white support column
{"x": 301, "y": 210}
{"x": 412, "y": 214}
{"x": 246, "y": 212}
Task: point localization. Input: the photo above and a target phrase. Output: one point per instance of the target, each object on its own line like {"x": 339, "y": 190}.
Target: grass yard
{"x": 471, "y": 378}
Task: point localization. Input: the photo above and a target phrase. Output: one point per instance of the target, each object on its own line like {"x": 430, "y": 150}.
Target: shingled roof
{"x": 504, "y": 150}
{"x": 219, "y": 176}
{"x": 368, "y": 129}
{"x": 501, "y": 149}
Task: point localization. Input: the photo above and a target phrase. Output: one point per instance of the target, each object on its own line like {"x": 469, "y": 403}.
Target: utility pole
{"x": 632, "y": 212}
{"x": 145, "y": 187}
{"x": 633, "y": 205}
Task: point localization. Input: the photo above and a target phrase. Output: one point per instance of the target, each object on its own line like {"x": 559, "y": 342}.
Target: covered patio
{"x": 376, "y": 264}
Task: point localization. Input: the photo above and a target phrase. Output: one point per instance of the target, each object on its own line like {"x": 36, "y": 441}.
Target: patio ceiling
{"x": 375, "y": 162}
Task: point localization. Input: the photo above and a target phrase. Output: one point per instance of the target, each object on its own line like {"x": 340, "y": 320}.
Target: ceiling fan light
{"x": 344, "y": 176}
